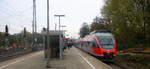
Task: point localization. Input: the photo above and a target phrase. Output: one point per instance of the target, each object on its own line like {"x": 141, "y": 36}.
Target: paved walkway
{"x": 76, "y": 59}
{"x": 73, "y": 59}
{"x": 30, "y": 61}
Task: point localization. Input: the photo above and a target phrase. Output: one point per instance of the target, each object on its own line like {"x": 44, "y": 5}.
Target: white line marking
{"x": 11, "y": 64}
{"x": 87, "y": 61}
{"x": 30, "y": 55}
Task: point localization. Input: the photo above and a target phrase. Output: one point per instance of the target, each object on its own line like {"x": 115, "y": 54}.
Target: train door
{"x": 89, "y": 48}
{"x": 85, "y": 45}
{"x": 95, "y": 48}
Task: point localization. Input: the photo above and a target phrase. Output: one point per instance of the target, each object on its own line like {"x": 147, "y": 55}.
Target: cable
{"x": 19, "y": 14}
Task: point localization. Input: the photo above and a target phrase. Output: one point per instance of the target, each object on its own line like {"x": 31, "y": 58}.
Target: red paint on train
{"x": 101, "y": 44}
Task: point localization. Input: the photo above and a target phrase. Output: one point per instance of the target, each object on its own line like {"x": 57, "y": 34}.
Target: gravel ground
{"x": 114, "y": 66}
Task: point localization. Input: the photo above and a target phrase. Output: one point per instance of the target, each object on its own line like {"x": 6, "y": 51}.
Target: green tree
{"x": 98, "y": 24}
{"x": 2, "y": 39}
{"x": 128, "y": 20}
{"x": 84, "y": 30}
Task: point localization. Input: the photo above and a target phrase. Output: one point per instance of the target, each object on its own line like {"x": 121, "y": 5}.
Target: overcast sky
{"x": 18, "y": 14}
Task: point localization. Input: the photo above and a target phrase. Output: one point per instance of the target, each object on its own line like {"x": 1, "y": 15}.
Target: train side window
{"x": 81, "y": 44}
{"x": 84, "y": 44}
{"x": 87, "y": 44}
{"x": 95, "y": 45}
{"x": 90, "y": 44}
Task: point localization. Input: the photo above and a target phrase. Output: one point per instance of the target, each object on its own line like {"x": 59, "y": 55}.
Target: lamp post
{"x": 34, "y": 24}
{"x": 59, "y": 19}
{"x": 48, "y": 27}
{"x": 47, "y": 43}
{"x": 60, "y": 40}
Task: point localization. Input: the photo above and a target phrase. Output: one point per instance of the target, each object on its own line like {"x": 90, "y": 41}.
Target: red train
{"x": 99, "y": 43}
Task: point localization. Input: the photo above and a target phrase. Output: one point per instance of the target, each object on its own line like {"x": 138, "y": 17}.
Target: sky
{"x": 17, "y": 14}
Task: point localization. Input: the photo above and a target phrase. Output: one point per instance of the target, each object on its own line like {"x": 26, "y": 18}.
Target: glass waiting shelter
{"x": 53, "y": 49}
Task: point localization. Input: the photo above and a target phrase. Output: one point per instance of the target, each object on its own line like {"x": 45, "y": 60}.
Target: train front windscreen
{"x": 107, "y": 42}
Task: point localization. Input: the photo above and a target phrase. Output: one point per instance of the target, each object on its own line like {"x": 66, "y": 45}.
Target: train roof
{"x": 100, "y": 31}
{"x": 103, "y": 34}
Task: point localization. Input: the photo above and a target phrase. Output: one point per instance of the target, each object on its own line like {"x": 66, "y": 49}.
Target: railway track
{"x": 13, "y": 54}
{"x": 115, "y": 65}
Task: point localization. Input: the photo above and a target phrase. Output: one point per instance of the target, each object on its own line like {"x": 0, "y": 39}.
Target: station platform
{"x": 72, "y": 59}
{"x": 76, "y": 59}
